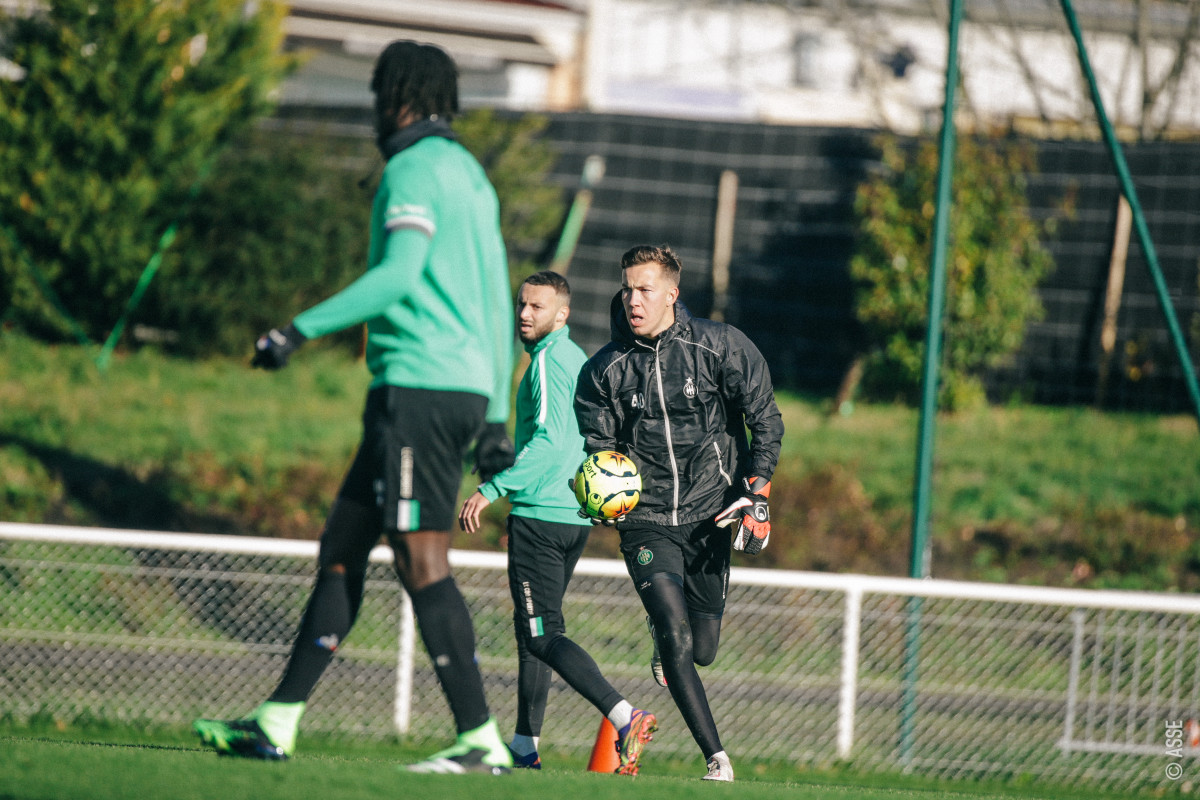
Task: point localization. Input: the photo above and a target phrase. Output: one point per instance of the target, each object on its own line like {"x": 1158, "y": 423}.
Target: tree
{"x": 122, "y": 106}
{"x": 996, "y": 261}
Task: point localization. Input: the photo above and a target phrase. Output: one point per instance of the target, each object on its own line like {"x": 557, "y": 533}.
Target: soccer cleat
{"x": 632, "y": 740}
{"x": 459, "y": 761}
{"x": 477, "y": 751}
{"x": 719, "y": 768}
{"x": 239, "y": 737}
{"x": 530, "y": 761}
{"x": 656, "y": 667}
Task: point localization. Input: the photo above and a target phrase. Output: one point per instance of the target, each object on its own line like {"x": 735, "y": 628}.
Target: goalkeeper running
{"x": 677, "y": 394}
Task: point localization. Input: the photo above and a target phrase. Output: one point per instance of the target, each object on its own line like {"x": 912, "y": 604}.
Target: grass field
{"x": 1057, "y": 496}
{"x": 117, "y": 765}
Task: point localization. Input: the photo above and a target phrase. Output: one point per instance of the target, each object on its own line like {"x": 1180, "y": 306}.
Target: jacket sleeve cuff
{"x": 489, "y": 491}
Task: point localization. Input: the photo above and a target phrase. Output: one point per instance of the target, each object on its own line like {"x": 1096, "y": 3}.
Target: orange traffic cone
{"x": 604, "y": 751}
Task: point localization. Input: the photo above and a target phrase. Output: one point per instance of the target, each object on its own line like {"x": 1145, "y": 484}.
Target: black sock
{"x": 326, "y": 622}
{"x": 446, "y": 629}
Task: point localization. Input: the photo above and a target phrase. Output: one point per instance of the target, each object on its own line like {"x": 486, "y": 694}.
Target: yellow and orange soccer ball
{"x": 607, "y": 485}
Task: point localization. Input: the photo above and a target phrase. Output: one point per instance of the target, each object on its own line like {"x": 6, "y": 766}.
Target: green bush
{"x": 279, "y": 226}
{"x": 995, "y": 260}
{"x": 123, "y": 105}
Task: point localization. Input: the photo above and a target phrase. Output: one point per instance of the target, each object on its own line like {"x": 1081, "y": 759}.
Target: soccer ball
{"x": 607, "y": 485}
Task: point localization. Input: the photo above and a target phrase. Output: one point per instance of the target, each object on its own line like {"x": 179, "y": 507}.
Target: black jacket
{"x": 679, "y": 406}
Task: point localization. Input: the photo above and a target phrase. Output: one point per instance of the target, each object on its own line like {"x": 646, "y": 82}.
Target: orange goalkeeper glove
{"x": 751, "y": 516}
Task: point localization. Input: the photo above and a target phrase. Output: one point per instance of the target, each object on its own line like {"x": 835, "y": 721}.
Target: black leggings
{"x": 684, "y": 640}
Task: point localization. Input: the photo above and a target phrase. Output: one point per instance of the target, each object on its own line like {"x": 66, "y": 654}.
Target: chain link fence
{"x": 953, "y": 680}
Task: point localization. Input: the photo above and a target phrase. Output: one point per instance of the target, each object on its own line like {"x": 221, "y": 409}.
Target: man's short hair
{"x": 418, "y": 77}
{"x": 647, "y": 254}
{"x": 548, "y": 278}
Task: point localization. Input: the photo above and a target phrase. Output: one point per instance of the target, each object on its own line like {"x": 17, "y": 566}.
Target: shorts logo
{"x": 644, "y": 556}
{"x": 689, "y": 388}
{"x": 528, "y": 594}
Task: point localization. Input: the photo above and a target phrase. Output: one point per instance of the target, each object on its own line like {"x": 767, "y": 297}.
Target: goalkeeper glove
{"x": 608, "y": 523}
{"x": 750, "y": 515}
{"x": 493, "y": 451}
{"x": 273, "y": 348}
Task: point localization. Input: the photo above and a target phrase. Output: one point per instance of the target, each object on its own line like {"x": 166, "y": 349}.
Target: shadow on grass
{"x": 116, "y": 498}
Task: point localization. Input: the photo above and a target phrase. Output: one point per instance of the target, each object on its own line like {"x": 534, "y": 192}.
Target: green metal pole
{"x": 919, "y": 558}
{"x": 1139, "y": 218}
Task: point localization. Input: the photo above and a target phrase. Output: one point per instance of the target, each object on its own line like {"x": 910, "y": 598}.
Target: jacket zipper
{"x": 662, "y": 400}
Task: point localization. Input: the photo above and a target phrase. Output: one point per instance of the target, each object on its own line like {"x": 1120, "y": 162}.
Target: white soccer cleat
{"x": 719, "y": 768}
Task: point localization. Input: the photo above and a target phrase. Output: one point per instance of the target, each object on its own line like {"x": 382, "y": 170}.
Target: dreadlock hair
{"x": 417, "y": 77}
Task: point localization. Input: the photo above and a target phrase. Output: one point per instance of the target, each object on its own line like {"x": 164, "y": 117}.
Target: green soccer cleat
{"x": 479, "y": 751}
{"x": 632, "y": 740}
{"x": 269, "y": 733}
{"x": 238, "y": 737}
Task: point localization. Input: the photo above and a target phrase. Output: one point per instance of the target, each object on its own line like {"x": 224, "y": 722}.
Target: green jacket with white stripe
{"x": 435, "y": 296}
{"x": 549, "y": 445}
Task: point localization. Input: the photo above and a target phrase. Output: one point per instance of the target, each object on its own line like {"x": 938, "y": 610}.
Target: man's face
{"x": 540, "y": 310}
{"x": 649, "y": 295}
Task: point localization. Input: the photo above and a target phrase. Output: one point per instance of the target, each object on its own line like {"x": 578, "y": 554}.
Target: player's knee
{"x": 675, "y": 640}
{"x": 543, "y": 645}
{"x": 706, "y": 636}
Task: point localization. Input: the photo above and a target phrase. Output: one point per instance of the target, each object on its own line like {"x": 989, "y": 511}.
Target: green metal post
{"x": 919, "y": 560}
{"x": 1139, "y": 219}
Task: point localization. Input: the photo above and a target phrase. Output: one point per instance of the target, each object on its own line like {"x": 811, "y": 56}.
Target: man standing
{"x": 545, "y": 537}
{"x": 676, "y": 394}
{"x": 439, "y": 321}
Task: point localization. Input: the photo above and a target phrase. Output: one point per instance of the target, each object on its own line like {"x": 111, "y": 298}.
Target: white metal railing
{"x": 1059, "y": 684}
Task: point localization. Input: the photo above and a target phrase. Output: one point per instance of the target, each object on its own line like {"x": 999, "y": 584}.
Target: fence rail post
{"x": 848, "y": 698}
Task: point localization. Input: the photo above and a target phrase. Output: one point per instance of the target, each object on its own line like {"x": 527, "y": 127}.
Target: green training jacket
{"x": 549, "y": 445}
{"x": 435, "y": 296}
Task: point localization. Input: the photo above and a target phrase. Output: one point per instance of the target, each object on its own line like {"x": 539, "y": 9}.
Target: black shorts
{"x": 410, "y": 462}
{"x": 696, "y": 553}
{"x": 541, "y": 560}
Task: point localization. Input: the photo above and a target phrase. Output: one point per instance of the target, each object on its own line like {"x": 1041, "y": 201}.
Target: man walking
{"x": 439, "y": 321}
{"x": 676, "y": 394}
{"x": 545, "y": 534}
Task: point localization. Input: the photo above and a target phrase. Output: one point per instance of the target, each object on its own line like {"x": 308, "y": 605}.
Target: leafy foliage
{"x": 122, "y": 106}
{"x": 995, "y": 262}
{"x": 517, "y": 161}
{"x": 278, "y": 227}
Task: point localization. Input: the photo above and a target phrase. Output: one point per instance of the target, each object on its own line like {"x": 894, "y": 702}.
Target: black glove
{"x": 274, "y": 347}
{"x": 493, "y": 451}
{"x": 750, "y": 515}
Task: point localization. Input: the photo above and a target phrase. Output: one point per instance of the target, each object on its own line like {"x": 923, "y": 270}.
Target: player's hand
{"x": 274, "y": 347}
{"x": 468, "y": 517}
{"x": 608, "y": 523}
{"x": 493, "y": 451}
{"x": 751, "y": 516}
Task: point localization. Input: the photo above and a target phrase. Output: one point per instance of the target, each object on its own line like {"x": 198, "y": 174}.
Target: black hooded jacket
{"x": 679, "y": 406}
